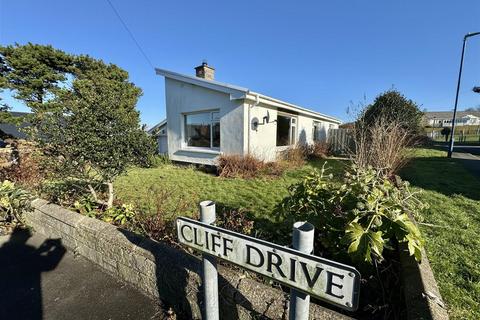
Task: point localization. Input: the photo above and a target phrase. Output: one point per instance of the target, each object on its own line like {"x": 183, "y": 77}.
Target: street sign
{"x": 328, "y": 280}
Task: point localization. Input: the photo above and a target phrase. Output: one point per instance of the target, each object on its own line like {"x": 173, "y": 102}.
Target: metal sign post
{"x": 306, "y": 274}
{"x": 210, "y": 274}
{"x": 302, "y": 240}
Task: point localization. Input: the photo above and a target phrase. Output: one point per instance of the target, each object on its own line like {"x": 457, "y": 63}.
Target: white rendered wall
{"x": 182, "y": 98}
{"x": 263, "y": 140}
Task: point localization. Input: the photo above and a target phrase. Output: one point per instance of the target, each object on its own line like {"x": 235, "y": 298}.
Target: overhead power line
{"x": 131, "y": 34}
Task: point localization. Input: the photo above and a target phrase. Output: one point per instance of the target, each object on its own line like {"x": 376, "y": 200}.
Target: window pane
{"x": 216, "y": 135}
{"x": 293, "y": 138}
{"x": 283, "y": 130}
{"x": 197, "y": 130}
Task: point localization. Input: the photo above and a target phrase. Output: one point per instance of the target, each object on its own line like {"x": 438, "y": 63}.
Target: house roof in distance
{"x": 13, "y": 130}
{"x": 158, "y": 125}
{"x": 237, "y": 92}
{"x": 449, "y": 114}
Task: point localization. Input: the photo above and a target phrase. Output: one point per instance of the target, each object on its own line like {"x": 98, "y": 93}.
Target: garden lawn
{"x": 451, "y": 226}
{"x": 453, "y": 243}
{"x": 258, "y": 196}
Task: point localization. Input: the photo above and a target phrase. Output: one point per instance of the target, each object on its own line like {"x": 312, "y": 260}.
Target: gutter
{"x": 278, "y": 103}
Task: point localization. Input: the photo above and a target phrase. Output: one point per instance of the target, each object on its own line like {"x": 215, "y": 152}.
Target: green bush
{"x": 13, "y": 202}
{"x": 119, "y": 215}
{"x": 362, "y": 217}
{"x": 159, "y": 160}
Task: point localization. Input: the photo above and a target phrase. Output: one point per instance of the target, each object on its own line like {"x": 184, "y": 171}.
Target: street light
{"x": 452, "y": 134}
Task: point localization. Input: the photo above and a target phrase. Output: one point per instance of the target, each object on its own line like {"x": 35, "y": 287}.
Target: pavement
{"x": 41, "y": 279}
{"x": 470, "y": 161}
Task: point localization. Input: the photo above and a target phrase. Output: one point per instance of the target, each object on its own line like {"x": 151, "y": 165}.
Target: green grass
{"x": 453, "y": 244}
{"x": 259, "y": 196}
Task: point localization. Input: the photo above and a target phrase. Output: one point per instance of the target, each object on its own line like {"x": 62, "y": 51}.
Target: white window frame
{"x": 212, "y": 122}
{"x": 292, "y": 138}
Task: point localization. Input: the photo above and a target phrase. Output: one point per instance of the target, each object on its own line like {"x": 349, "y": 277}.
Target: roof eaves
{"x": 296, "y": 108}
{"x": 237, "y": 92}
{"x": 158, "y": 125}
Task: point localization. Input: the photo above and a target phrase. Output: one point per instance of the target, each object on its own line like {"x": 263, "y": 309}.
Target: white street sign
{"x": 328, "y": 280}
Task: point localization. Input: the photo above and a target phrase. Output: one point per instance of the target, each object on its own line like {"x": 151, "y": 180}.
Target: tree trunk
{"x": 110, "y": 194}
{"x": 109, "y": 202}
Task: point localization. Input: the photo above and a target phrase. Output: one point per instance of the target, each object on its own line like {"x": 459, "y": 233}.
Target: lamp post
{"x": 452, "y": 134}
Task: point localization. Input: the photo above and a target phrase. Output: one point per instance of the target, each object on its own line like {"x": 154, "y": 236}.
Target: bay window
{"x": 202, "y": 129}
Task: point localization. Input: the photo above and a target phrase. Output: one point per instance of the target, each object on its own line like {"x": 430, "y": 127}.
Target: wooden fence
{"x": 341, "y": 141}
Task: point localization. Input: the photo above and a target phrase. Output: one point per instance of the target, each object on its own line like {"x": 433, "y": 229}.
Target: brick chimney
{"x": 205, "y": 71}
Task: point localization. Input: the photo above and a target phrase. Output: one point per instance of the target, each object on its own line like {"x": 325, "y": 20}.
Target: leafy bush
{"x": 13, "y": 202}
{"x": 160, "y": 160}
{"x": 65, "y": 192}
{"x": 86, "y": 206}
{"x": 119, "y": 215}
{"x": 392, "y": 106}
{"x": 362, "y": 217}
{"x": 446, "y": 131}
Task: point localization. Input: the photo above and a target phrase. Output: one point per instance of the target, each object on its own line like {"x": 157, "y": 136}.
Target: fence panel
{"x": 341, "y": 141}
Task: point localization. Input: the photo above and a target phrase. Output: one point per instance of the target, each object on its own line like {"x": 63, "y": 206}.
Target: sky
{"x": 322, "y": 55}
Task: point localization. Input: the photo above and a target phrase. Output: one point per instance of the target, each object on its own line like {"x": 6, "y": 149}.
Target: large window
{"x": 286, "y": 130}
{"x": 202, "y": 129}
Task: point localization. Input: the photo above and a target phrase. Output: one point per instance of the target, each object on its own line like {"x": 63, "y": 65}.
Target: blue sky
{"x": 323, "y": 55}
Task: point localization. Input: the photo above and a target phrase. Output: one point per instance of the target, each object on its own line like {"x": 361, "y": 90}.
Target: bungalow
{"x": 440, "y": 119}
{"x": 160, "y": 131}
{"x": 206, "y": 118}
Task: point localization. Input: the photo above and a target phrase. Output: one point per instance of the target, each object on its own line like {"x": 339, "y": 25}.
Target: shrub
{"x": 119, "y": 215}
{"x": 248, "y": 166}
{"x": 392, "y": 106}
{"x": 361, "y": 217}
{"x": 13, "y": 202}
{"x": 160, "y": 160}
{"x": 156, "y": 219}
{"x": 296, "y": 155}
{"x": 27, "y": 169}
{"x": 65, "y": 192}
{"x": 446, "y": 132}
{"x": 381, "y": 145}
{"x": 318, "y": 150}
{"x": 236, "y": 220}
{"x": 87, "y": 206}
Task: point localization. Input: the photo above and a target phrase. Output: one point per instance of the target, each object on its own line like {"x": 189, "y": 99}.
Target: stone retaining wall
{"x": 160, "y": 270}
{"x": 422, "y": 297}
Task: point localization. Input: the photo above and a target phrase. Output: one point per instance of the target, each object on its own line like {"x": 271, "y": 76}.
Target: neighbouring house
{"x": 206, "y": 118}
{"x": 9, "y": 130}
{"x": 441, "y": 119}
{"x": 160, "y": 131}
